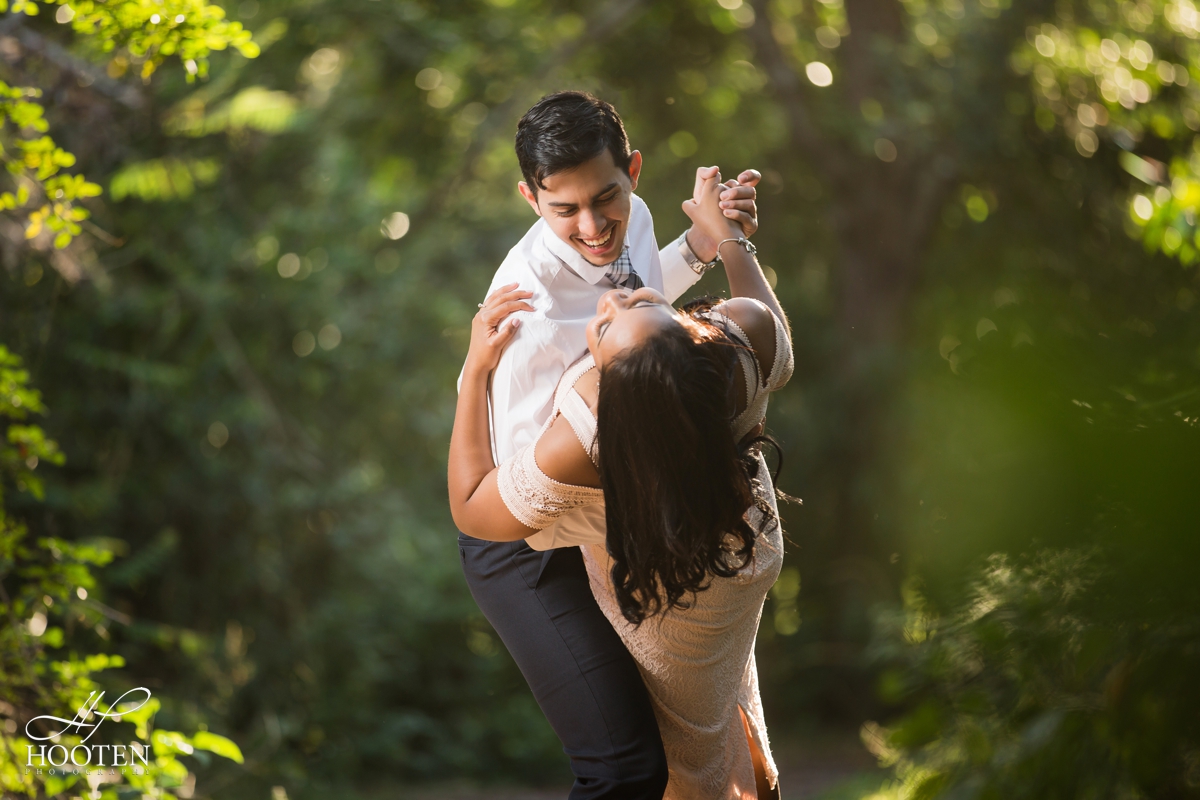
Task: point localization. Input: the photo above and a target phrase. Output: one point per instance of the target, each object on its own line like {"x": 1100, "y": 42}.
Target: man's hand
{"x": 737, "y": 203}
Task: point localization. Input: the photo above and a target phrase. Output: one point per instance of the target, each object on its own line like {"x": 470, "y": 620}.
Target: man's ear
{"x": 635, "y": 169}
{"x": 529, "y": 196}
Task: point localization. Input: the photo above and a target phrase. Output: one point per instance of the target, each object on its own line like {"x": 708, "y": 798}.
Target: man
{"x": 593, "y": 235}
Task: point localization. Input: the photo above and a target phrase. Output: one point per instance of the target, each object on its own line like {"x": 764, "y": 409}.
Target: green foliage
{"x": 253, "y": 108}
{"x": 147, "y": 33}
{"x": 26, "y": 445}
{"x": 1050, "y": 680}
{"x": 1124, "y": 74}
{"x": 256, "y": 384}
{"x": 162, "y": 178}
{"x": 34, "y": 162}
{"x": 139, "y": 33}
{"x": 47, "y": 604}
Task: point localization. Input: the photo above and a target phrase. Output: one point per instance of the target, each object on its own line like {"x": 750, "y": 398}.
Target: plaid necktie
{"x": 621, "y": 273}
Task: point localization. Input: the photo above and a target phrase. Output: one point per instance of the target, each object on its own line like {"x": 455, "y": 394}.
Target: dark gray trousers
{"x": 584, "y": 679}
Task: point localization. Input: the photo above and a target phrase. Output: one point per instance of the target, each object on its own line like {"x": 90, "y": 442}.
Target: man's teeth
{"x": 598, "y": 242}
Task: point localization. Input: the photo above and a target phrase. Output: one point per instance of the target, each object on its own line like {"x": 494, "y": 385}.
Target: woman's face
{"x": 626, "y": 318}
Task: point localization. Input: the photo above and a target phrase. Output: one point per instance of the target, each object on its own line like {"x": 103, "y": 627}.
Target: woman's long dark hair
{"x": 676, "y": 487}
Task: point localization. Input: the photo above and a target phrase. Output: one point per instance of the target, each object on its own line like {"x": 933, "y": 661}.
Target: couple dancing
{"x": 617, "y": 519}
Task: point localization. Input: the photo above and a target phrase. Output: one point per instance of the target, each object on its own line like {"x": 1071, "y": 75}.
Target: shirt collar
{"x": 574, "y": 259}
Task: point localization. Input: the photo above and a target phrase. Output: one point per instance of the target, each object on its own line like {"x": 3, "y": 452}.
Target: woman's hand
{"x": 492, "y": 329}
{"x": 709, "y": 219}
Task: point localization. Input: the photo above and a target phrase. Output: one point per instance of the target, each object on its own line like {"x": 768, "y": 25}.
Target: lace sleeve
{"x": 784, "y": 363}
{"x": 534, "y": 498}
{"x": 781, "y": 370}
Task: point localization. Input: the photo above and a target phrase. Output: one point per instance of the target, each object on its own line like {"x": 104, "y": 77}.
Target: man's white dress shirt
{"x": 566, "y": 288}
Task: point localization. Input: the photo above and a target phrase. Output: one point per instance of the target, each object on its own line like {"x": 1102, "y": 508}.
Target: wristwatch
{"x": 699, "y": 267}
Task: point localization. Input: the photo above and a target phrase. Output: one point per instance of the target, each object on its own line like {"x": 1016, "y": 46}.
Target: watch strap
{"x": 690, "y": 258}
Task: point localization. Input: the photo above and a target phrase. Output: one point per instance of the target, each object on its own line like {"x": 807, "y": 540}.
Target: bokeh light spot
{"x": 429, "y": 79}
{"x": 683, "y": 144}
{"x": 828, "y": 37}
{"x": 303, "y": 343}
{"x": 1087, "y": 143}
{"x": 1143, "y": 209}
{"x": 289, "y": 265}
{"x": 329, "y": 337}
{"x": 395, "y": 226}
{"x": 217, "y": 434}
{"x": 818, "y": 73}
{"x": 872, "y": 110}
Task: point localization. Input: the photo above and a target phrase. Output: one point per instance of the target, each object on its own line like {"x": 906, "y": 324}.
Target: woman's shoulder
{"x": 571, "y": 377}
{"x": 588, "y": 388}
{"x": 559, "y": 451}
{"x": 750, "y": 315}
{"x": 561, "y": 456}
{"x": 757, "y": 322}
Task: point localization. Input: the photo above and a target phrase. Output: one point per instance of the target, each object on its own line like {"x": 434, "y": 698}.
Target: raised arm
{"x": 746, "y": 278}
{"x": 737, "y": 203}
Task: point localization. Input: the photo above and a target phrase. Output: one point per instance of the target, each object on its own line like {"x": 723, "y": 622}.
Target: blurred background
{"x": 979, "y": 215}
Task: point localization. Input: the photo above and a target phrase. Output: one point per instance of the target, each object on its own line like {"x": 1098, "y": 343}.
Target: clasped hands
{"x": 739, "y": 211}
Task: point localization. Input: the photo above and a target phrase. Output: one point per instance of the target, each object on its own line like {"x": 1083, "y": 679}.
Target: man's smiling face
{"x": 588, "y": 207}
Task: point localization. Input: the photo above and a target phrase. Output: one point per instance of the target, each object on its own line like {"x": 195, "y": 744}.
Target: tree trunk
{"x": 883, "y": 215}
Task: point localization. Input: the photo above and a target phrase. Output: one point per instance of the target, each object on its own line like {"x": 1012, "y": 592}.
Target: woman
{"x": 693, "y": 543}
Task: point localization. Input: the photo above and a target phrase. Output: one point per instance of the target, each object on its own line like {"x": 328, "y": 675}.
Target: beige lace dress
{"x": 697, "y": 663}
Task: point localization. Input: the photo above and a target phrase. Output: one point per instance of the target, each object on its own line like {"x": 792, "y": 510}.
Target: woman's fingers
{"x": 497, "y": 300}
{"x": 493, "y": 316}
{"x": 506, "y": 290}
{"x": 508, "y": 287}
{"x": 499, "y": 336}
{"x": 501, "y": 303}
{"x": 750, "y": 177}
{"x": 502, "y": 296}
{"x": 505, "y": 331}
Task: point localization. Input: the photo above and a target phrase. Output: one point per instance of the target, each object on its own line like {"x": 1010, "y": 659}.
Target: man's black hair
{"x": 565, "y": 129}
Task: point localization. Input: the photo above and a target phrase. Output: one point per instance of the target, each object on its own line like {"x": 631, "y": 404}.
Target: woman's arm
{"x": 746, "y": 278}
{"x": 475, "y": 501}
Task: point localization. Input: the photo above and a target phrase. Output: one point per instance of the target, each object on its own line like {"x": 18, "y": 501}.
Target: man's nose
{"x": 591, "y": 224}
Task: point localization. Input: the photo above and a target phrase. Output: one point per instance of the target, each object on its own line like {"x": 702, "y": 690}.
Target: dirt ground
{"x": 834, "y": 767}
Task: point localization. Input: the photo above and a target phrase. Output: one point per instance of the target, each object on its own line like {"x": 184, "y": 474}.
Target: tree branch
{"x": 91, "y": 75}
